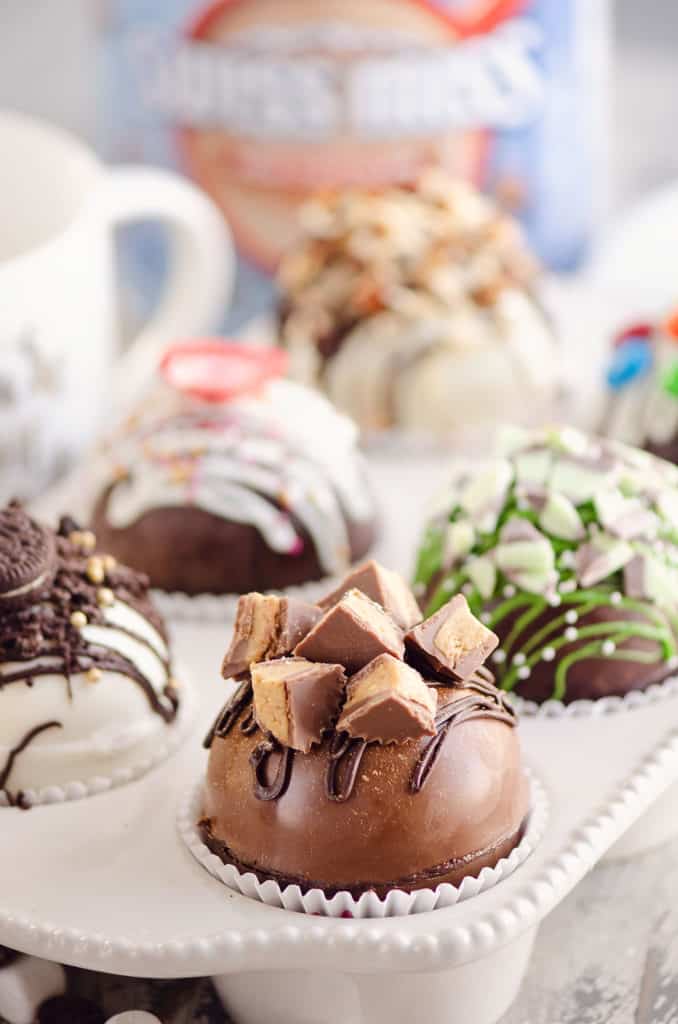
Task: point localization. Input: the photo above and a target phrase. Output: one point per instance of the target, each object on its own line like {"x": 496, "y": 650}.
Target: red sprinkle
{"x": 218, "y": 371}
{"x": 642, "y": 329}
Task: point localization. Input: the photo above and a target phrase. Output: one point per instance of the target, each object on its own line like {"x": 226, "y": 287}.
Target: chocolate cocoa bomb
{"x": 191, "y": 550}
{"x": 263, "y": 491}
{"x": 468, "y": 815}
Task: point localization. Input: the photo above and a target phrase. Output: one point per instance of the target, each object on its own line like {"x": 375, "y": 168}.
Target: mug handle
{"x": 201, "y": 271}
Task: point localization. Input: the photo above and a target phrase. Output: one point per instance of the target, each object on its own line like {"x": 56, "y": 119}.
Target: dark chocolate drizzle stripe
{"x": 44, "y": 629}
{"x": 483, "y": 702}
{"x": 96, "y": 656}
{"x": 260, "y": 759}
{"x": 343, "y": 767}
{"x": 19, "y": 800}
{"x": 138, "y": 638}
{"x": 346, "y": 754}
{"x": 229, "y": 715}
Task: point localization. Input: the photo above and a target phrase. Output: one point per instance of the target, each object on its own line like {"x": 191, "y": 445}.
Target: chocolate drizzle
{"x": 43, "y": 639}
{"x": 230, "y": 714}
{"x": 19, "y": 800}
{"x": 483, "y": 702}
{"x": 343, "y": 766}
{"x": 260, "y": 760}
{"x": 345, "y": 754}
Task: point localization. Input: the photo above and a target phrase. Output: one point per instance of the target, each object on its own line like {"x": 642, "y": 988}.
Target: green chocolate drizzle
{"x": 521, "y": 597}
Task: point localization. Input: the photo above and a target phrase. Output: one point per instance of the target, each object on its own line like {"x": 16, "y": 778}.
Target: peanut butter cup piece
{"x": 267, "y": 627}
{"x": 297, "y": 701}
{"x": 453, "y": 641}
{"x": 388, "y": 702}
{"x": 353, "y": 632}
{"x": 27, "y": 558}
{"x": 383, "y": 586}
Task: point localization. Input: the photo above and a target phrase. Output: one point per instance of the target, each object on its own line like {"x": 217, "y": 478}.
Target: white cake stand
{"x": 106, "y": 884}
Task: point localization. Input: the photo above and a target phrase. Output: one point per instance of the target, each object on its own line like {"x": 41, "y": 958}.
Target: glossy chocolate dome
{"x": 468, "y": 814}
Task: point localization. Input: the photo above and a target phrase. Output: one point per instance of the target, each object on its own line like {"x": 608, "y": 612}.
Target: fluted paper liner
{"x": 395, "y": 904}
{"x": 596, "y": 708}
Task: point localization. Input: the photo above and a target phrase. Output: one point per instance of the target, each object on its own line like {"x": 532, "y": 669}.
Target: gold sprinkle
{"x": 173, "y": 684}
{"x": 120, "y": 473}
{"x": 78, "y": 619}
{"x": 93, "y": 675}
{"x": 180, "y": 474}
{"x": 110, "y": 563}
{"x": 89, "y": 541}
{"x": 84, "y": 539}
{"x": 95, "y": 570}
{"x": 105, "y": 597}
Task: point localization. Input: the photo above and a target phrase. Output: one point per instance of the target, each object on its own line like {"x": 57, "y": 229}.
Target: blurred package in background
{"x": 264, "y": 101}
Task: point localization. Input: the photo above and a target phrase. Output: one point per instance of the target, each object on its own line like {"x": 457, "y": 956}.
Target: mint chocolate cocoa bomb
{"x": 364, "y": 749}
{"x": 566, "y": 546}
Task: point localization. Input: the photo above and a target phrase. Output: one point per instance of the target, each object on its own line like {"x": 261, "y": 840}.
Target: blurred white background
{"x": 48, "y": 68}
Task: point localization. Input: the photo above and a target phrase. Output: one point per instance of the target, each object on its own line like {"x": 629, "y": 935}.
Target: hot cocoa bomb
{"x": 86, "y": 682}
{"x": 374, "y": 754}
{"x": 232, "y": 479}
{"x": 566, "y": 546}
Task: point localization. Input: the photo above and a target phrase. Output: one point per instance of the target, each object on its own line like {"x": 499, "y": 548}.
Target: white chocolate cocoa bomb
{"x": 414, "y": 309}
{"x": 110, "y": 698}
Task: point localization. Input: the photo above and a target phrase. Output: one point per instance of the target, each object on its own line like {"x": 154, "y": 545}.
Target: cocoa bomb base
{"x": 593, "y": 677}
{"x": 383, "y": 834}
{"x": 191, "y": 550}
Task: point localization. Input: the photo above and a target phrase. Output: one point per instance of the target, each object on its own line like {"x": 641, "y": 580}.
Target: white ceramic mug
{"x": 59, "y": 207}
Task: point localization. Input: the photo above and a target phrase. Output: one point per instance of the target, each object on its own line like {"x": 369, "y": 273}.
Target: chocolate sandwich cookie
{"x": 27, "y": 558}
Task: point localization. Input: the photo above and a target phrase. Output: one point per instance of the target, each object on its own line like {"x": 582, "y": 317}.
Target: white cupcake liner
{"x": 395, "y": 904}
{"x": 179, "y": 607}
{"x": 596, "y": 708}
{"x": 79, "y": 789}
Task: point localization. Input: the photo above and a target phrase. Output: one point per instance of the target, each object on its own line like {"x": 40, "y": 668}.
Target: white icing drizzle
{"x": 269, "y": 460}
{"x": 102, "y": 721}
